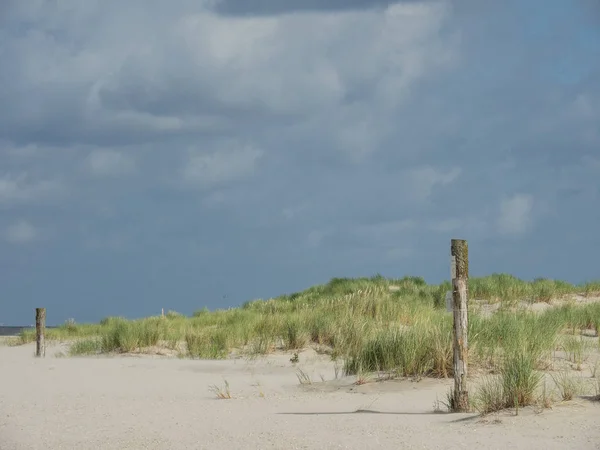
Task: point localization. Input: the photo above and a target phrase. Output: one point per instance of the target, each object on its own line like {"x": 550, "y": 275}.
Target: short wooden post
{"x": 459, "y": 251}
{"x": 40, "y": 332}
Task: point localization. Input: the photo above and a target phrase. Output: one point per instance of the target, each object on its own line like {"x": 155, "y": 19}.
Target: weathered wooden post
{"x": 40, "y": 332}
{"x": 459, "y": 251}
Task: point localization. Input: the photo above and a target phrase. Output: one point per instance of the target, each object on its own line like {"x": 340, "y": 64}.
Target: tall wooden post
{"x": 40, "y": 332}
{"x": 459, "y": 251}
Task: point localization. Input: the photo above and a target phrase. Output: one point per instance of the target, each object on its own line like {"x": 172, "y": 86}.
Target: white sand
{"x": 158, "y": 403}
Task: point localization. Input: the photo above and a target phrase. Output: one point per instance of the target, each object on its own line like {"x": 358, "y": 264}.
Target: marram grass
{"x": 397, "y": 326}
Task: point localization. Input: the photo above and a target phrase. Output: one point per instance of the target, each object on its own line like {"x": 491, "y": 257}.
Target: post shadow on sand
{"x": 470, "y": 416}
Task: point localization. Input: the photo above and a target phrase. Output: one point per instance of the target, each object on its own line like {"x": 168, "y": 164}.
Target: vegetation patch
{"x": 396, "y": 327}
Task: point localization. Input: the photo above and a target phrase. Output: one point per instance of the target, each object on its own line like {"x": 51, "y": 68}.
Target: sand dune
{"x": 166, "y": 403}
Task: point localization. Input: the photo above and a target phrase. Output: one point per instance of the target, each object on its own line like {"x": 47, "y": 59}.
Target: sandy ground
{"x": 166, "y": 403}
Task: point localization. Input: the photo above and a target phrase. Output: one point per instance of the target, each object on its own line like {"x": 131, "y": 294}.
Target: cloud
{"x": 282, "y": 143}
{"x": 21, "y": 232}
{"x": 516, "y": 214}
{"x": 22, "y": 153}
{"x": 423, "y": 180}
{"x": 190, "y": 70}
{"x": 109, "y": 163}
{"x": 275, "y": 7}
{"x": 21, "y": 189}
{"x": 207, "y": 170}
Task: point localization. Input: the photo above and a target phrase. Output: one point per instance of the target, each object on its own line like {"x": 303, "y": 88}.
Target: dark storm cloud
{"x": 185, "y": 150}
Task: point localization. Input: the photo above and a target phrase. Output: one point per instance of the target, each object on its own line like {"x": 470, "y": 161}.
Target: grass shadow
{"x": 590, "y": 398}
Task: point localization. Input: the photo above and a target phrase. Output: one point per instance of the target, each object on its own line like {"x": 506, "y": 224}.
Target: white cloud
{"x": 21, "y": 232}
{"x": 424, "y": 180}
{"x": 107, "y": 163}
{"x": 207, "y": 170}
{"x": 516, "y": 214}
{"x": 272, "y": 62}
{"x": 21, "y": 153}
{"x": 179, "y": 68}
{"x": 19, "y": 189}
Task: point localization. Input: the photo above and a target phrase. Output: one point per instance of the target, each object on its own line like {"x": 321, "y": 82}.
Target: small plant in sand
{"x": 577, "y": 349}
{"x": 336, "y": 370}
{"x": 546, "y": 399}
{"x": 261, "y": 392}
{"x": 514, "y": 387}
{"x": 568, "y": 386}
{"x": 303, "y": 377}
{"x": 13, "y": 341}
{"x": 361, "y": 378}
{"x": 222, "y": 392}
{"x": 520, "y": 380}
{"x": 437, "y": 407}
{"x": 489, "y": 397}
{"x": 450, "y": 402}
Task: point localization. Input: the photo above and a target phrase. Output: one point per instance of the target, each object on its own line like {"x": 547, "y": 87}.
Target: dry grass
{"x": 221, "y": 392}
{"x": 303, "y": 377}
{"x": 567, "y": 385}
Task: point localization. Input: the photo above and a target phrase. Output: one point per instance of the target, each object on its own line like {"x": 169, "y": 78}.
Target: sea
{"x": 15, "y": 330}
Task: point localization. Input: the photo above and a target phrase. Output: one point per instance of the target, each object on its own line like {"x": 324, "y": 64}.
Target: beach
{"x": 153, "y": 402}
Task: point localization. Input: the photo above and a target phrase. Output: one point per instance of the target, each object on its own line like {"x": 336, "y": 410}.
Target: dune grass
{"x": 365, "y": 319}
{"x": 398, "y": 327}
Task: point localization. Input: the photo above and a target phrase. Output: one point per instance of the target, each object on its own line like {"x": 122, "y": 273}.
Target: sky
{"x": 188, "y": 153}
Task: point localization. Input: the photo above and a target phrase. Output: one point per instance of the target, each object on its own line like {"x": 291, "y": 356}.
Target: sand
{"x": 166, "y": 403}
